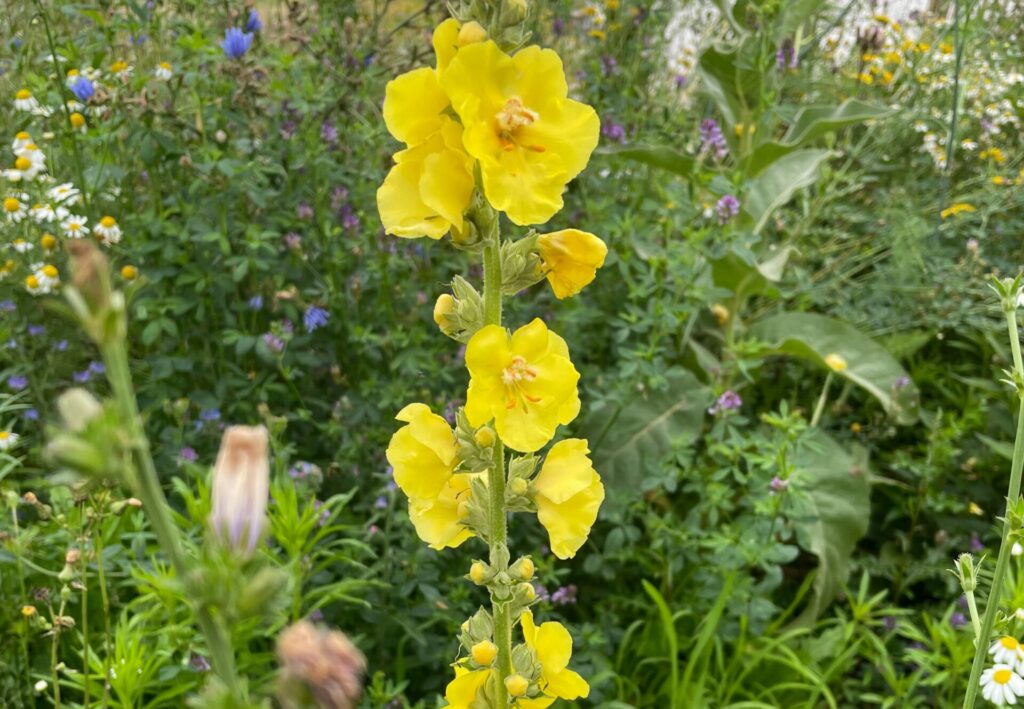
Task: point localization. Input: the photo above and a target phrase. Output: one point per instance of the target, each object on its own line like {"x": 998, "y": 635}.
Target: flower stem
{"x": 1012, "y": 495}
{"x": 496, "y": 479}
{"x": 820, "y": 408}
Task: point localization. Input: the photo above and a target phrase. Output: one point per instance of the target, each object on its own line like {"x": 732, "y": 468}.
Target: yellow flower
{"x": 129, "y": 273}
{"x": 994, "y": 154}
{"x": 529, "y": 137}
{"x": 836, "y": 362}
{"x": 77, "y": 120}
{"x": 569, "y": 494}
{"x": 552, "y": 645}
{"x": 975, "y": 509}
{"x": 438, "y": 521}
{"x": 461, "y": 692}
{"x": 956, "y": 209}
{"x": 571, "y": 258}
{"x": 423, "y": 453}
{"x": 597, "y": 34}
{"x": 865, "y": 78}
{"x": 525, "y": 383}
{"x": 48, "y": 241}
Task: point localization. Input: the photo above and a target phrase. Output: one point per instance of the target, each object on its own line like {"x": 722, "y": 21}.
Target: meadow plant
{"x": 490, "y": 130}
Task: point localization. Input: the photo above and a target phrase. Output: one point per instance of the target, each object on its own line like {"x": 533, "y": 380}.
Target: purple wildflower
{"x": 613, "y": 131}
{"x": 727, "y": 208}
{"x": 542, "y": 593}
{"x": 381, "y": 502}
{"x": 315, "y": 318}
{"x": 890, "y": 623}
{"x": 349, "y": 218}
{"x": 188, "y": 454}
{"x": 11, "y": 344}
{"x": 325, "y": 514}
{"x": 566, "y": 595}
{"x": 778, "y": 485}
{"x": 728, "y": 401}
{"x": 339, "y": 196}
{"x": 82, "y": 377}
{"x": 712, "y": 140}
{"x": 958, "y": 620}
{"x": 304, "y": 211}
{"x": 976, "y": 543}
{"x": 288, "y": 129}
{"x": 17, "y": 382}
{"x": 608, "y": 65}
{"x": 293, "y": 241}
{"x": 97, "y": 367}
{"x": 60, "y": 345}
{"x": 902, "y": 382}
{"x": 236, "y": 43}
{"x": 786, "y": 57}
{"x": 680, "y": 80}
{"x": 198, "y": 663}
{"x": 8, "y": 306}
{"x": 32, "y": 414}
{"x": 256, "y": 302}
{"x": 36, "y": 330}
{"x": 329, "y": 133}
{"x": 274, "y": 343}
{"x": 253, "y": 22}
{"x": 211, "y": 414}
{"x": 558, "y": 27}
{"x": 83, "y": 89}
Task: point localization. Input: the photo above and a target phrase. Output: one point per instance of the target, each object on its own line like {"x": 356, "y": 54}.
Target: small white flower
{"x": 163, "y": 71}
{"x": 1001, "y": 685}
{"x": 122, "y": 70}
{"x": 108, "y": 231}
{"x": 920, "y": 126}
{"x": 66, "y": 194}
{"x": 968, "y": 144}
{"x": 41, "y": 686}
{"x": 8, "y": 439}
{"x": 14, "y": 208}
{"x": 25, "y": 101}
{"x": 75, "y": 226}
{"x": 21, "y": 246}
{"x": 41, "y": 213}
{"x": 44, "y": 278}
{"x": 42, "y": 111}
{"x": 20, "y": 141}
{"x": 1007, "y": 650}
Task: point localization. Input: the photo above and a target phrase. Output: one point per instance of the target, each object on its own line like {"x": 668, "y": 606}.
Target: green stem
{"x": 820, "y": 407}
{"x": 1012, "y": 495}
{"x": 84, "y": 571}
{"x": 156, "y": 508}
{"x": 24, "y": 598}
{"x": 972, "y": 606}
{"x": 105, "y": 599}
{"x": 496, "y": 479}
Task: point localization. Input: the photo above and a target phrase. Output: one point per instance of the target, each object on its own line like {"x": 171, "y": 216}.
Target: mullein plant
{"x": 1002, "y": 683}
{"x": 490, "y": 130}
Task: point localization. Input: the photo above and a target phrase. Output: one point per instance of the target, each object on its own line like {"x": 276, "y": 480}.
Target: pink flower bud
{"x": 241, "y": 484}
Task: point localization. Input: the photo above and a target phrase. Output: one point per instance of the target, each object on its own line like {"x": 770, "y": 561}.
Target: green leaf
{"x": 730, "y": 79}
{"x": 642, "y": 429}
{"x": 810, "y": 123}
{"x": 743, "y": 276}
{"x": 869, "y": 365}
{"x": 837, "y": 483}
{"x": 658, "y": 156}
{"x": 777, "y": 184}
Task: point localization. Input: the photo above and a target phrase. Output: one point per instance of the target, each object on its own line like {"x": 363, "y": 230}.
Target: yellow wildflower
{"x": 461, "y": 692}
{"x": 955, "y": 209}
{"x": 528, "y": 136}
{"x": 994, "y": 154}
{"x": 836, "y": 362}
{"x": 77, "y": 120}
{"x": 484, "y": 652}
{"x": 865, "y": 78}
{"x": 438, "y": 520}
{"x": 598, "y": 34}
{"x": 525, "y": 383}
{"x": 569, "y": 494}
{"x": 975, "y": 509}
{"x": 423, "y": 453}
{"x": 552, "y": 645}
{"x": 946, "y": 48}
{"x": 129, "y": 273}
{"x": 571, "y": 258}
{"x": 721, "y": 314}
{"x": 998, "y": 180}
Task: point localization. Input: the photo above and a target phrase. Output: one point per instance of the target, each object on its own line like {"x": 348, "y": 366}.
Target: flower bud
{"x": 72, "y": 556}
{"x": 965, "y": 572}
{"x": 721, "y": 314}
{"x": 516, "y": 685}
{"x": 479, "y": 573}
{"x": 129, "y": 272}
{"x": 443, "y": 307}
{"x": 836, "y": 362}
{"x": 241, "y": 484}
{"x": 485, "y": 437}
{"x": 471, "y": 33}
{"x": 523, "y": 569}
{"x": 484, "y": 652}
{"x": 323, "y": 663}
{"x": 526, "y": 593}
{"x": 518, "y": 486}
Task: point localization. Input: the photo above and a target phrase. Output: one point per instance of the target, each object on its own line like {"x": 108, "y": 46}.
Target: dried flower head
{"x": 322, "y": 662}
{"x": 241, "y": 484}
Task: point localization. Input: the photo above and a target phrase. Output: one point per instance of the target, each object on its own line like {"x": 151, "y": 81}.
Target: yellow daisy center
{"x": 1009, "y": 643}
{"x": 513, "y": 116}
{"x": 50, "y": 271}
{"x": 4, "y": 435}
{"x": 118, "y": 67}
{"x": 165, "y": 65}
{"x": 1002, "y": 676}
{"x": 514, "y": 376}
{"x": 107, "y": 222}
{"x": 23, "y": 94}
{"x": 77, "y": 120}
{"x": 32, "y": 282}
{"x": 11, "y": 204}
{"x": 31, "y": 147}
{"x": 23, "y": 136}
{"x": 48, "y": 241}
{"x": 74, "y": 226}
{"x": 22, "y": 163}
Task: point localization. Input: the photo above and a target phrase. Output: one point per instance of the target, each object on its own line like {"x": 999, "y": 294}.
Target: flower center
{"x": 107, "y": 222}
{"x": 32, "y": 282}
{"x": 1002, "y": 676}
{"x": 22, "y": 136}
{"x": 11, "y": 204}
{"x": 513, "y": 116}
{"x": 23, "y": 94}
{"x": 22, "y": 163}
{"x": 518, "y": 373}
{"x": 74, "y": 226}
{"x": 50, "y": 271}
{"x": 1009, "y": 643}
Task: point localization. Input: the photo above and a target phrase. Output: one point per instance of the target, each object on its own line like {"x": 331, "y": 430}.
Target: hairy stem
{"x": 1012, "y": 495}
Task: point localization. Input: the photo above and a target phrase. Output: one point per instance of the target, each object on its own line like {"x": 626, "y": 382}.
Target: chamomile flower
{"x": 163, "y": 71}
{"x": 66, "y": 194}
{"x": 20, "y": 141}
{"x": 108, "y": 231}
{"x": 74, "y": 226}
{"x": 1000, "y": 684}
{"x": 14, "y": 208}
{"x": 42, "y": 213}
{"x": 36, "y": 159}
{"x": 25, "y": 101}
{"x": 21, "y": 246}
{"x": 44, "y": 278}
{"x": 1007, "y": 650}
{"x": 8, "y": 439}
{"x": 122, "y": 70}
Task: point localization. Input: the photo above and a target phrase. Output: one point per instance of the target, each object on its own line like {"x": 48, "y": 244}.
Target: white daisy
{"x": 75, "y": 226}
{"x": 44, "y": 278}
{"x": 42, "y": 111}
{"x": 1007, "y": 650}
{"x": 122, "y": 70}
{"x": 25, "y": 101}
{"x": 21, "y": 246}
{"x": 108, "y": 231}
{"x": 72, "y": 77}
{"x": 20, "y": 141}
{"x": 14, "y": 208}
{"x": 66, "y": 194}
{"x": 1001, "y": 685}
{"x": 8, "y": 439}
{"x": 163, "y": 71}
{"x": 41, "y": 213}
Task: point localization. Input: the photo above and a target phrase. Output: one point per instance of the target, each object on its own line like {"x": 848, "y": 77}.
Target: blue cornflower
{"x": 315, "y": 318}
{"x": 253, "y": 23}
{"x": 35, "y": 330}
{"x": 8, "y": 306}
{"x": 17, "y": 382}
{"x": 97, "y": 367}
{"x": 83, "y": 89}
{"x": 210, "y": 414}
{"x": 61, "y": 345}
{"x": 82, "y": 377}
{"x": 236, "y": 43}
{"x": 256, "y": 302}
{"x": 32, "y": 414}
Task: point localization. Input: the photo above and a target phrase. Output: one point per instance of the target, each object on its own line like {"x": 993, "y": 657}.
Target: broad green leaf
{"x": 810, "y": 123}
{"x": 777, "y": 184}
{"x": 640, "y": 430}
{"x": 869, "y": 365}
{"x": 794, "y": 14}
{"x": 654, "y": 155}
{"x": 838, "y": 484}
{"x": 738, "y": 273}
{"x": 730, "y": 80}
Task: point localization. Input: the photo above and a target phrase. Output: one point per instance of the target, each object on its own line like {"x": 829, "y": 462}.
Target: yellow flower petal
{"x": 446, "y": 42}
{"x": 413, "y": 103}
{"x": 438, "y": 521}
{"x": 577, "y": 496}
{"x": 567, "y": 471}
{"x": 571, "y": 258}
{"x": 567, "y": 685}
{"x": 462, "y": 691}
{"x": 423, "y": 453}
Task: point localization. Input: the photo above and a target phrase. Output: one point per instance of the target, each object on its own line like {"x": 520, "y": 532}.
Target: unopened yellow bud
{"x": 471, "y": 33}
{"x": 485, "y": 437}
{"x": 444, "y": 306}
{"x": 77, "y": 120}
{"x": 516, "y": 685}
{"x": 524, "y": 569}
{"x": 836, "y": 362}
{"x": 484, "y": 652}
{"x": 48, "y": 241}
{"x": 129, "y": 273}
{"x": 518, "y": 486}
{"x": 721, "y": 313}
{"x": 526, "y": 591}
{"x": 28, "y": 611}
{"x": 478, "y": 572}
